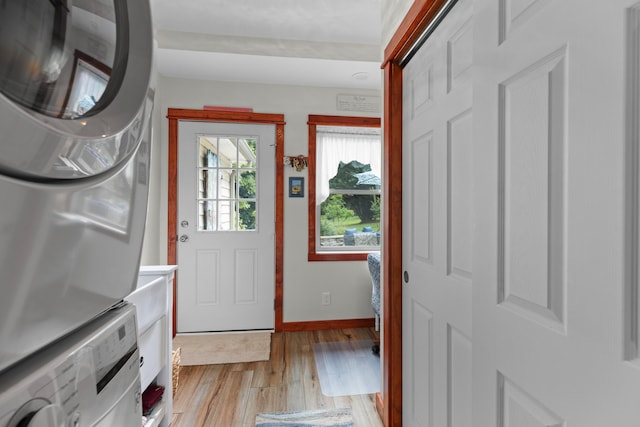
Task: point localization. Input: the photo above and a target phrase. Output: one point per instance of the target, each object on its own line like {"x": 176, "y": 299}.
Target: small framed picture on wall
{"x": 296, "y": 186}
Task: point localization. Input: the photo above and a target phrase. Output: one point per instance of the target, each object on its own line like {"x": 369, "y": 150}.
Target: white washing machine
{"x": 89, "y": 378}
{"x": 76, "y": 95}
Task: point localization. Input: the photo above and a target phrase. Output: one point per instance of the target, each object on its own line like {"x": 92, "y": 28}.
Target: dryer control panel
{"x": 86, "y": 379}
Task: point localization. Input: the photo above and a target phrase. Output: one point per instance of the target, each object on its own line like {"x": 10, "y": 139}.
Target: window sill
{"x": 338, "y": 256}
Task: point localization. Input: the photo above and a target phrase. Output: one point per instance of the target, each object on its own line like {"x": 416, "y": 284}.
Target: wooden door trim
{"x": 392, "y": 248}
{"x": 174, "y": 115}
{"x": 418, "y": 18}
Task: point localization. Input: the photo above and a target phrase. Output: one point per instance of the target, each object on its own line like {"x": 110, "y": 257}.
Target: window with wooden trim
{"x": 345, "y": 172}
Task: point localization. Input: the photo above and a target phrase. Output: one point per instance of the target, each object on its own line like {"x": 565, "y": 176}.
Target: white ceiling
{"x": 327, "y": 43}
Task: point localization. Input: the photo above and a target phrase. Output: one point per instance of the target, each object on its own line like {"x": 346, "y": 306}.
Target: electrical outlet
{"x": 326, "y": 298}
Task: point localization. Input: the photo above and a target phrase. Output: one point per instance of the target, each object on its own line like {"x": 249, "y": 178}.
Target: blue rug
{"x": 314, "y": 418}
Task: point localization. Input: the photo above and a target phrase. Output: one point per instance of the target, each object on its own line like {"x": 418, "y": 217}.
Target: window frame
{"x": 322, "y": 120}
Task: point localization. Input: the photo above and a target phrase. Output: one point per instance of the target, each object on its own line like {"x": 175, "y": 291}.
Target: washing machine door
{"x": 74, "y": 75}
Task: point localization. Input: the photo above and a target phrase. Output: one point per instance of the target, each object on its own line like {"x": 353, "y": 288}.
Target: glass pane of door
{"x": 227, "y": 189}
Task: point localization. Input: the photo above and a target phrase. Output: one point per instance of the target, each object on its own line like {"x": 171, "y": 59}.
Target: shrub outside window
{"x": 345, "y": 170}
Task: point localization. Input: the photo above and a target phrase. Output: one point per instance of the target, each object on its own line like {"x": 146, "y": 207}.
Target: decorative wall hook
{"x": 298, "y": 162}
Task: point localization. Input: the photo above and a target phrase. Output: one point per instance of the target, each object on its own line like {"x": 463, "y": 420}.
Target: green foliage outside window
{"x": 333, "y": 212}
{"x": 247, "y": 190}
{"x": 345, "y": 211}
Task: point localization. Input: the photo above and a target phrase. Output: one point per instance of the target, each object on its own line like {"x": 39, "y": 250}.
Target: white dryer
{"x": 76, "y": 95}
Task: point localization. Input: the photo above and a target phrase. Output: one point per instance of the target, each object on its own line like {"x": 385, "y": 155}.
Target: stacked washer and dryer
{"x": 76, "y": 96}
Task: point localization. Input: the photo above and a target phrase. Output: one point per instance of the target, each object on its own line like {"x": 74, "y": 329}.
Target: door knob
{"x": 184, "y": 223}
{"x": 406, "y": 277}
{"x": 184, "y": 238}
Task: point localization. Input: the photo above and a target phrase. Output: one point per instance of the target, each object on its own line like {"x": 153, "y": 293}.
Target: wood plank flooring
{"x": 231, "y": 395}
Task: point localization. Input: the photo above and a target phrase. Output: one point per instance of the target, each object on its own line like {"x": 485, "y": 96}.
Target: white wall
{"x": 304, "y": 281}
{"x": 393, "y": 11}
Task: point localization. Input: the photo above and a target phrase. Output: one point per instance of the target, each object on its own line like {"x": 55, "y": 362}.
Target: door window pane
{"x": 227, "y": 169}
{"x": 247, "y": 215}
{"x": 207, "y": 215}
{"x": 225, "y": 215}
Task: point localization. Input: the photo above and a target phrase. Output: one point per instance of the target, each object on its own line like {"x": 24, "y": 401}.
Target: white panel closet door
{"x": 554, "y": 304}
{"x": 437, "y": 226}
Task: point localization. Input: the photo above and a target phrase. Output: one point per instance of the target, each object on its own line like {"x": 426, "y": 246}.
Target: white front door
{"x": 437, "y": 227}
{"x": 555, "y": 103}
{"x": 226, "y": 226}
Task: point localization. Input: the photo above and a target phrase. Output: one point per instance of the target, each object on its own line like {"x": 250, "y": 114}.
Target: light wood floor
{"x": 231, "y": 395}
